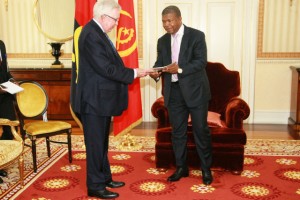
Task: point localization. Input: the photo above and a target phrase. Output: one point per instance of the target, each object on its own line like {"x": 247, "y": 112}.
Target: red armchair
{"x": 226, "y": 115}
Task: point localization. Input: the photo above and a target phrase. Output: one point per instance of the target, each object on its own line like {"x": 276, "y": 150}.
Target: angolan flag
{"x": 126, "y": 44}
{"x": 83, "y": 14}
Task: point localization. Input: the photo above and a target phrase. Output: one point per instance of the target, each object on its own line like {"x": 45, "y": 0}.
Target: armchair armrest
{"x": 237, "y": 110}
{"x": 160, "y": 112}
{"x": 13, "y": 125}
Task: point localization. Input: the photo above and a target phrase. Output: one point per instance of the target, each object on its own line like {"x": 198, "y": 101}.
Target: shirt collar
{"x": 180, "y": 31}
{"x": 99, "y": 25}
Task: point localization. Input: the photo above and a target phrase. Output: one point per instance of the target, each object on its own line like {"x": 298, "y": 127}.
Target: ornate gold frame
{"x": 268, "y": 55}
{"x": 34, "y": 13}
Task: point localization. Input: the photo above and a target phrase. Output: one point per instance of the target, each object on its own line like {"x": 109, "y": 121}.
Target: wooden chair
{"x": 12, "y": 150}
{"x": 31, "y": 104}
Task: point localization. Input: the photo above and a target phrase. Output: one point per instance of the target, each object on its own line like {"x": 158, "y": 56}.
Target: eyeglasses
{"x": 115, "y": 19}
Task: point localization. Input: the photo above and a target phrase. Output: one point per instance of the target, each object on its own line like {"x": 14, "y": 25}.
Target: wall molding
{"x": 281, "y": 61}
{"x": 271, "y": 117}
{"x": 37, "y": 63}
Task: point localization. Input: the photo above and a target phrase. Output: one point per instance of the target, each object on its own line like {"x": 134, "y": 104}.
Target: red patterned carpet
{"x": 272, "y": 171}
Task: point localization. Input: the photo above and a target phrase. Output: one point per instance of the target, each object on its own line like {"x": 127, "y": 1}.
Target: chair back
{"x": 224, "y": 85}
{"x": 32, "y": 102}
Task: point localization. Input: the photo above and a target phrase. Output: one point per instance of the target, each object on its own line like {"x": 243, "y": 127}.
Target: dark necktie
{"x": 111, "y": 43}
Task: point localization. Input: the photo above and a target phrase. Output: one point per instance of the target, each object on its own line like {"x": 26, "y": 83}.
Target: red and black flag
{"x": 126, "y": 45}
{"x": 83, "y": 14}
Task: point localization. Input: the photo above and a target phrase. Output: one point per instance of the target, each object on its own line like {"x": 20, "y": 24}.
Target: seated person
{"x": 6, "y": 100}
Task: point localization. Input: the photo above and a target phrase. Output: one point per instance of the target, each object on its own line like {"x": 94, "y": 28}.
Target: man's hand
{"x": 142, "y": 72}
{"x": 155, "y": 75}
{"x": 172, "y": 68}
{"x": 13, "y": 81}
{"x": 2, "y": 91}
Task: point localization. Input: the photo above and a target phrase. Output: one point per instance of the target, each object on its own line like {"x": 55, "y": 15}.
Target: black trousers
{"x": 96, "y": 135}
{"x": 179, "y": 113}
{"x": 7, "y": 111}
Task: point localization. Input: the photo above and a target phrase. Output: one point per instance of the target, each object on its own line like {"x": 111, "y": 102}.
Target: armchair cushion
{"x": 214, "y": 119}
{"x": 41, "y": 127}
{"x": 10, "y": 150}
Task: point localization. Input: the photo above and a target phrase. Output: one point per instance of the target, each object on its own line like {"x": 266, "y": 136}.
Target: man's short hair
{"x": 172, "y": 9}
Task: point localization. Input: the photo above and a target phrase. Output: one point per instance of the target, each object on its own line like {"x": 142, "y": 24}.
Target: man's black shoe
{"x": 103, "y": 194}
{"x": 179, "y": 173}
{"x": 114, "y": 184}
{"x": 3, "y": 173}
{"x": 1, "y": 180}
{"x": 207, "y": 177}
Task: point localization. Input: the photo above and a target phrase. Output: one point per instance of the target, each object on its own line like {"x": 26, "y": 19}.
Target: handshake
{"x": 156, "y": 71}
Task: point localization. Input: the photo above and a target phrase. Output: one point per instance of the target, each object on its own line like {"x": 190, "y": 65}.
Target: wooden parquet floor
{"x": 253, "y": 131}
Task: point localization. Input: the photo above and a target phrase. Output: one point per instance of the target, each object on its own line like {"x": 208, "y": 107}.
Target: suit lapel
{"x": 168, "y": 48}
{"x": 106, "y": 40}
{"x": 184, "y": 43}
{"x": 113, "y": 49}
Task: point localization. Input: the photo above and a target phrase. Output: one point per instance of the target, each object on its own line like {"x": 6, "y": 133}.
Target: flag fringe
{"x": 129, "y": 128}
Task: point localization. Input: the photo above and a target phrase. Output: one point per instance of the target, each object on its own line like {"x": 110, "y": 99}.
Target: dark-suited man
{"x": 102, "y": 92}
{"x": 6, "y": 99}
{"x": 186, "y": 90}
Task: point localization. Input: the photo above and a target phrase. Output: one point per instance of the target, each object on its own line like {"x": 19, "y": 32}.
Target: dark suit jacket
{"x": 102, "y": 87}
{"x": 6, "y": 99}
{"x": 192, "y": 59}
{"x": 4, "y": 73}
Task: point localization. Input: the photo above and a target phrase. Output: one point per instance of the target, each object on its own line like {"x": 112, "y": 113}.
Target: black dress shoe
{"x": 102, "y": 194}
{"x": 179, "y": 173}
{"x": 207, "y": 177}
{"x": 114, "y": 184}
{"x": 1, "y": 180}
{"x": 3, "y": 173}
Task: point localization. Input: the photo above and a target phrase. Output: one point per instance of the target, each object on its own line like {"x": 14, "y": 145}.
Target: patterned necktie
{"x": 175, "y": 54}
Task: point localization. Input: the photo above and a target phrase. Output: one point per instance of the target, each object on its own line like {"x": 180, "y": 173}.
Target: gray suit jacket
{"x": 192, "y": 59}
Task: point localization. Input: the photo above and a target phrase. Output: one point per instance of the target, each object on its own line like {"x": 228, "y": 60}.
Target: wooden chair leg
{"x": 21, "y": 170}
{"x": 69, "y": 146}
{"x": 48, "y": 146}
{"x": 33, "y": 149}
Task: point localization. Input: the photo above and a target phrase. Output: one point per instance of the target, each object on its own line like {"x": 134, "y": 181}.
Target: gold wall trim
{"x": 260, "y": 39}
{"x": 37, "y": 55}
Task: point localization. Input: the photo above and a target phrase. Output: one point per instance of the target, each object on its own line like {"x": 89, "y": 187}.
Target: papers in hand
{"x": 158, "y": 69}
{"x": 10, "y": 87}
